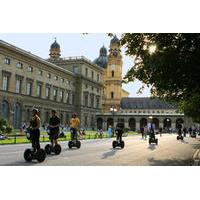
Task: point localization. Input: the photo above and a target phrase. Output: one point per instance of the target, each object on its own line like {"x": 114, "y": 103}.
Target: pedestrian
{"x": 184, "y": 131}
{"x": 145, "y": 132}
{"x": 109, "y": 131}
{"x": 142, "y": 132}
{"x": 35, "y": 130}
{"x": 160, "y": 131}
{"x": 54, "y": 124}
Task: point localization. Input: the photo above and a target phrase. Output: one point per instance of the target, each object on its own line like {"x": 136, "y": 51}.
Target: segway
{"x": 193, "y": 134}
{"x": 30, "y": 155}
{"x": 53, "y": 149}
{"x": 118, "y": 142}
{"x": 74, "y": 143}
{"x": 179, "y": 137}
{"x": 152, "y": 138}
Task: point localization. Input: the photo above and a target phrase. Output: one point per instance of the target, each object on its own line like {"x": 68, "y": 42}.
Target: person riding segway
{"x": 54, "y": 124}
{"x": 179, "y": 137}
{"x": 74, "y": 123}
{"x": 152, "y": 138}
{"x": 119, "y": 131}
{"x": 33, "y": 134}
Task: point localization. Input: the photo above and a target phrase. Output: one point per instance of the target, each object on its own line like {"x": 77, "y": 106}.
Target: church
{"x": 93, "y": 89}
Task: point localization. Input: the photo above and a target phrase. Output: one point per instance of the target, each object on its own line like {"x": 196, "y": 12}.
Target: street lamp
{"x": 113, "y": 110}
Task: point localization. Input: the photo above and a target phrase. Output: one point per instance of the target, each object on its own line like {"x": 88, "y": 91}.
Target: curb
{"x": 196, "y": 158}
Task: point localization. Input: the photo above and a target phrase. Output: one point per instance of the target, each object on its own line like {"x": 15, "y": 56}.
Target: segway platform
{"x": 153, "y": 140}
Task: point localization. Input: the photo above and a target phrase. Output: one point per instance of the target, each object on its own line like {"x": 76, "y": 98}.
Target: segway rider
{"x": 74, "y": 123}
{"x": 152, "y": 133}
{"x": 54, "y": 124}
{"x": 35, "y": 130}
{"x": 119, "y": 131}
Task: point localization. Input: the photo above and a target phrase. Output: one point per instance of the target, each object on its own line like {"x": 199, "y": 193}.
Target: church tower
{"x": 113, "y": 77}
{"x": 54, "y": 50}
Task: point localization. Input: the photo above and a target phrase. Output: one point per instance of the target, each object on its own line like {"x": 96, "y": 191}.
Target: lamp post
{"x": 113, "y": 110}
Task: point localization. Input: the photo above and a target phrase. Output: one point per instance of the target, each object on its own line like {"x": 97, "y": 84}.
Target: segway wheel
{"x": 78, "y": 144}
{"x": 48, "y": 149}
{"x": 28, "y": 155}
{"x": 122, "y": 144}
{"x": 177, "y": 138}
{"x": 114, "y": 144}
{"x": 41, "y": 155}
{"x": 156, "y": 141}
{"x": 181, "y": 137}
{"x": 57, "y": 149}
{"x": 70, "y": 144}
{"x": 150, "y": 141}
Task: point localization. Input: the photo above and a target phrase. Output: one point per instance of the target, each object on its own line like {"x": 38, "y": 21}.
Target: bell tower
{"x": 113, "y": 77}
{"x": 54, "y": 50}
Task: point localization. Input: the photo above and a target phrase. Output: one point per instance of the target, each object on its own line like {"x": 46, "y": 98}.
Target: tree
{"x": 170, "y": 64}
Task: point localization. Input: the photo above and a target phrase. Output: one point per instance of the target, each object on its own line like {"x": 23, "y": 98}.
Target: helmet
{"x": 74, "y": 115}
{"x": 35, "y": 110}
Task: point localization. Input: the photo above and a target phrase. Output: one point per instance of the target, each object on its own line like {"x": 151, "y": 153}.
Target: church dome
{"x": 103, "y": 51}
{"x": 115, "y": 40}
{"x": 55, "y": 45}
{"x": 102, "y": 60}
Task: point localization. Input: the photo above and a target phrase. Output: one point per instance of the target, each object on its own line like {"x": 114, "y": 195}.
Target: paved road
{"x": 99, "y": 153}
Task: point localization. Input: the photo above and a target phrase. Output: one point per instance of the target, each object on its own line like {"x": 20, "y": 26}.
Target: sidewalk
{"x": 196, "y": 158}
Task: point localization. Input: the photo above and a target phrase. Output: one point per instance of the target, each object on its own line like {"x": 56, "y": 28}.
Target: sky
{"x": 73, "y": 44}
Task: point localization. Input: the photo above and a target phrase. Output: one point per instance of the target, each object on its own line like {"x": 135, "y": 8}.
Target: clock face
{"x": 115, "y": 54}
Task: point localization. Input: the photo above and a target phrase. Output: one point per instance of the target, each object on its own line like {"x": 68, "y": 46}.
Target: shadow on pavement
{"x": 152, "y": 147}
{"x": 170, "y": 162}
{"x": 110, "y": 153}
{"x": 21, "y": 163}
{"x": 184, "y": 142}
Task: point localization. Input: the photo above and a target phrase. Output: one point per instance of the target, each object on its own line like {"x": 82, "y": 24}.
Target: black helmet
{"x": 35, "y": 110}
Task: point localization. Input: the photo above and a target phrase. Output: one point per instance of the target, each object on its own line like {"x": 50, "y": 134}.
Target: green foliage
{"x": 5, "y": 127}
{"x": 172, "y": 70}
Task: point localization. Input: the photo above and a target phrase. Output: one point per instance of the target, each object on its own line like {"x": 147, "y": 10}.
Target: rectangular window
{"x": 39, "y": 90}
{"x": 86, "y": 72}
{"x": 18, "y": 86}
{"x": 55, "y": 92}
{"x": 40, "y": 72}
{"x": 61, "y": 95}
{"x": 48, "y": 75}
{"x": 86, "y": 100}
{"x": 30, "y": 69}
{"x": 5, "y": 83}
{"x": 97, "y": 103}
{"x": 48, "y": 92}
{"x": 67, "y": 97}
{"x": 29, "y": 88}
{"x": 92, "y": 75}
{"x": 7, "y": 61}
{"x": 113, "y": 73}
{"x": 19, "y": 65}
{"x": 97, "y": 77}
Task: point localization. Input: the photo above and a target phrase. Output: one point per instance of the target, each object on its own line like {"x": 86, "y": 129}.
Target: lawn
{"x": 17, "y": 137}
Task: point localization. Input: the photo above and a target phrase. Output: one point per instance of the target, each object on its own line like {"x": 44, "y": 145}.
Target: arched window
{"x": 112, "y": 95}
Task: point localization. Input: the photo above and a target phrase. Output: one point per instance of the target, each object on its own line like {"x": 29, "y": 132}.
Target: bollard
{"x": 15, "y": 138}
